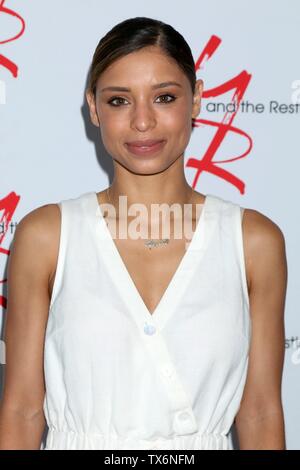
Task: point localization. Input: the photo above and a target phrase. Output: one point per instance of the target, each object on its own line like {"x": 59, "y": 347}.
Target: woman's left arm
{"x": 260, "y": 419}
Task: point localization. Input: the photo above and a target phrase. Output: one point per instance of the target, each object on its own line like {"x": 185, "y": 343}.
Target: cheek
{"x": 114, "y": 131}
{"x": 110, "y": 118}
{"x": 112, "y": 128}
{"x": 178, "y": 120}
{"x": 179, "y": 130}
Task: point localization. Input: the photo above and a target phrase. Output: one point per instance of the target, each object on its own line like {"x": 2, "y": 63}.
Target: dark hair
{"x": 135, "y": 33}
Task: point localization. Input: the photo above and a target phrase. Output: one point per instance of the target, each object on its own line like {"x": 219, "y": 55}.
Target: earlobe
{"x": 92, "y": 108}
{"x": 196, "y": 112}
{"x": 197, "y": 98}
{"x": 196, "y": 107}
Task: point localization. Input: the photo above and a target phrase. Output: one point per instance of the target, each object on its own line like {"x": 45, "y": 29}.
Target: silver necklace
{"x": 150, "y": 243}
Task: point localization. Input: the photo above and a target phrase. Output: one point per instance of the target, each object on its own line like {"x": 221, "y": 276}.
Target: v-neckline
{"x": 120, "y": 274}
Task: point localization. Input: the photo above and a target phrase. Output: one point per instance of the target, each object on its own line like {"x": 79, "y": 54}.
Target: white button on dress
{"x": 119, "y": 377}
{"x": 184, "y": 416}
{"x": 149, "y": 329}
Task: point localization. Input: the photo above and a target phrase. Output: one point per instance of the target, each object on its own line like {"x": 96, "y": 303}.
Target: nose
{"x": 143, "y": 117}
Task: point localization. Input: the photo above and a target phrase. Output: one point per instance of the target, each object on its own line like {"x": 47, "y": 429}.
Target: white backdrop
{"x": 50, "y": 151}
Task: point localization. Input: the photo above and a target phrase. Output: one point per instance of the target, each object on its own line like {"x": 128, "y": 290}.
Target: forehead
{"x": 147, "y": 65}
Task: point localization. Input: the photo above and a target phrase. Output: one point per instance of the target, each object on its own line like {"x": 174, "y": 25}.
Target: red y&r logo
{"x": 4, "y": 61}
{"x": 8, "y": 205}
{"x": 239, "y": 84}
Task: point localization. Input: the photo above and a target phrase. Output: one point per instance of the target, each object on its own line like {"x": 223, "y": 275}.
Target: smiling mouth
{"x": 145, "y": 142}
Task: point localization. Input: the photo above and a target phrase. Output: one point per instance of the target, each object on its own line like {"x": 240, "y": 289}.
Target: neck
{"x": 166, "y": 187}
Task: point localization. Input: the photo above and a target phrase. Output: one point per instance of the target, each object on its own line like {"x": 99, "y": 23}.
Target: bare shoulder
{"x": 37, "y": 234}
{"x": 40, "y": 219}
{"x": 40, "y": 225}
{"x": 264, "y": 244}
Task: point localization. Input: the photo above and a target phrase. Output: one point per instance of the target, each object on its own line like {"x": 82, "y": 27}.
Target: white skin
{"x": 143, "y": 113}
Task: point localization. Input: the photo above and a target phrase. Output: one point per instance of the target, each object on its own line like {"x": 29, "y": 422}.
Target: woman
{"x": 151, "y": 342}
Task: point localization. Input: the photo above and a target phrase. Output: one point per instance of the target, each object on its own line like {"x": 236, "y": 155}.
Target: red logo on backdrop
{"x": 4, "y": 61}
{"x": 9, "y": 203}
{"x": 239, "y": 85}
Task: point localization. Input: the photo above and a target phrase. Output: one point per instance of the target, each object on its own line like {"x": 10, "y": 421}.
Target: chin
{"x": 144, "y": 167}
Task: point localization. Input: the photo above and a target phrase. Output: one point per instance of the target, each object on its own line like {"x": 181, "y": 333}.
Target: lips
{"x": 143, "y": 143}
{"x": 145, "y": 147}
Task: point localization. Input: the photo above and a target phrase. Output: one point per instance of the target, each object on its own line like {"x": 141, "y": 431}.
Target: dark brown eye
{"x": 173, "y": 98}
{"x": 117, "y": 101}
{"x": 115, "y": 98}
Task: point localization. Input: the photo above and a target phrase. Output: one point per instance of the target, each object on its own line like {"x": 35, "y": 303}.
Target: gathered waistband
{"x": 69, "y": 440}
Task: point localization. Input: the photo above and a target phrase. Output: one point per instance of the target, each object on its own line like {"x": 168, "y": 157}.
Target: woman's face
{"x": 145, "y": 110}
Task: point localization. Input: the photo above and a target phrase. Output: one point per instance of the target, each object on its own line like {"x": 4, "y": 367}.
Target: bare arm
{"x": 260, "y": 420}
{"x": 22, "y": 420}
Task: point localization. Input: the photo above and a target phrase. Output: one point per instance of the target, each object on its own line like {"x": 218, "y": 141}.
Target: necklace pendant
{"x": 154, "y": 244}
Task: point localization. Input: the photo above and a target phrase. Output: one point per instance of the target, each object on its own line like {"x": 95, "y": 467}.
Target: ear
{"x": 92, "y": 107}
{"x": 197, "y": 98}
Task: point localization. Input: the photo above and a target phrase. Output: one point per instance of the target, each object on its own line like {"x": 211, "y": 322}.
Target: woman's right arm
{"x": 31, "y": 265}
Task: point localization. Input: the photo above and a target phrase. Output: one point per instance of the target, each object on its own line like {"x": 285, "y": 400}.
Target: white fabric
{"x": 118, "y": 377}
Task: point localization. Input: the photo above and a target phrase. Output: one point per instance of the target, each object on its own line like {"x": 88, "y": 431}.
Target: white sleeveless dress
{"x": 118, "y": 377}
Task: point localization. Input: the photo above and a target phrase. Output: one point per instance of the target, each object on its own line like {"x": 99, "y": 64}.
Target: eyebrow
{"x": 154, "y": 87}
